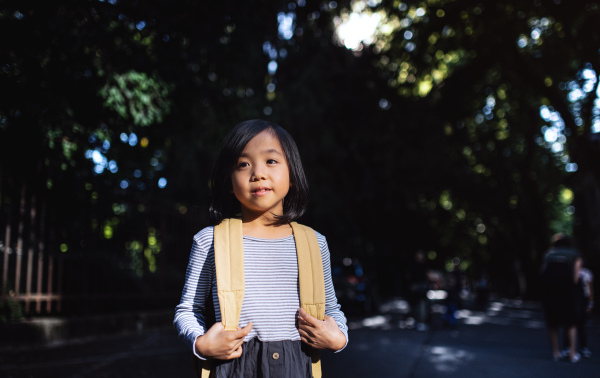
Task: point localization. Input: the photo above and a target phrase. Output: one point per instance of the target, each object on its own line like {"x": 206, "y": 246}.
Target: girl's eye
{"x": 271, "y": 161}
{"x": 242, "y": 164}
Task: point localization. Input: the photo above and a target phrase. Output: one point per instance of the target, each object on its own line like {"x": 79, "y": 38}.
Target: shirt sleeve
{"x": 190, "y": 313}
{"x": 332, "y": 307}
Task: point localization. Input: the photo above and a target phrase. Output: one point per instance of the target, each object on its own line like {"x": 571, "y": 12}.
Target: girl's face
{"x": 261, "y": 177}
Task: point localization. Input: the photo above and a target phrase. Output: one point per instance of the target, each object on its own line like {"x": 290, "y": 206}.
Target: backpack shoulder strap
{"x": 229, "y": 266}
{"x": 310, "y": 271}
{"x": 311, "y": 280}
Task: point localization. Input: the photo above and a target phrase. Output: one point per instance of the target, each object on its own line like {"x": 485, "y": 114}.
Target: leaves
{"x": 137, "y": 96}
{"x": 435, "y": 133}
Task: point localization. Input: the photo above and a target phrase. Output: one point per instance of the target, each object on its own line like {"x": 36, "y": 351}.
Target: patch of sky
{"x": 359, "y": 28}
{"x": 479, "y": 118}
{"x": 286, "y": 24}
{"x": 100, "y": 161}
{"x": 132, "y": 139}
{"x": 384, "y": 104}
{"x": 580, "y": 90}
{"x": 273, "y": 54}
{"x": 267, "y": 47}
{"x": 554, "y": 137}
{"x": 576, "y": 95}
{"x": 557, "y": 147}
{"x": 555, "y": 132}
{"x": 272, "y": 67}
{"x": 551, "y": 135}
{"x": 112, "y": 166}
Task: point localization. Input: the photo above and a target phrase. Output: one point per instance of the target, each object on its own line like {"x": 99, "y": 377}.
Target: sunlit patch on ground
{"x": 513, "y": 312}
{"x": 448, "y": 360}
{"x": 395, "y": 314}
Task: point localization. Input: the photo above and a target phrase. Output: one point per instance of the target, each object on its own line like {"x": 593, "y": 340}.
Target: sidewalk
{"x": 507, "y": 340}
{"x": 56, "y": 331}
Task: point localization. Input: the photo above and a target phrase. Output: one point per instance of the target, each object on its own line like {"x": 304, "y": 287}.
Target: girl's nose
{"x": 257, "y": 175}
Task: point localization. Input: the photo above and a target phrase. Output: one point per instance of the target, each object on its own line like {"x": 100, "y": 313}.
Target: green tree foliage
{"x": 481, "y": 74}
{"x": 429, "y": 136}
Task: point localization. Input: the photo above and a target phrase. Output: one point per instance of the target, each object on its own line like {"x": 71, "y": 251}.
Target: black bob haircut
{"x": 223, "y": 204}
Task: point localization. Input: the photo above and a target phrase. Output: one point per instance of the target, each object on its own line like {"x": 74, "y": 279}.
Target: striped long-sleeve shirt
{"x": 272, "y": 296}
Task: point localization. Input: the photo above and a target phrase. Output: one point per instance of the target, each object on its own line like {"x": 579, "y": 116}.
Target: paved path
{"x": 508, "y": 340}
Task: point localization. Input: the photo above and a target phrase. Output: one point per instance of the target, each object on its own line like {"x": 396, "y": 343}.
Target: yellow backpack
{"x": 229, "y": 266}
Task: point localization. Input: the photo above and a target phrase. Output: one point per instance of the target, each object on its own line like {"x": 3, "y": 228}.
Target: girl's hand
{"x": 319, "y": 334}
{"x": 220, "y": 344}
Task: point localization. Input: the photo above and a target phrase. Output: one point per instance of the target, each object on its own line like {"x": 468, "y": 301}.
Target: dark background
{"x": 432, "y": 138}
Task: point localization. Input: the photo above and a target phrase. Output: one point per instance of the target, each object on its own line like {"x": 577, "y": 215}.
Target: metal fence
{"x": 38, "y": 278}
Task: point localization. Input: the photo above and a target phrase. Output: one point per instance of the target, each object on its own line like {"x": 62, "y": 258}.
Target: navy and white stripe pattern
{"x": 271, "y": 299}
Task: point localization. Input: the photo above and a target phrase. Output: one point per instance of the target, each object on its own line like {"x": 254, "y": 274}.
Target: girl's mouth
{"x": 261, "y": 191}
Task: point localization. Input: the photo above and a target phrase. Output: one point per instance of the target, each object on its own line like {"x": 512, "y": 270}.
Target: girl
{"x": 258, "y": 178}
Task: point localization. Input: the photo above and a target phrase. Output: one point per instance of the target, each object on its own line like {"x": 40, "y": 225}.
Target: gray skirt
{"x": 275, "y": 359}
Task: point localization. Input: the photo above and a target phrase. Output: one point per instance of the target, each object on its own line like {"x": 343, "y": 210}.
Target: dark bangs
{"x": 223, "y": 203}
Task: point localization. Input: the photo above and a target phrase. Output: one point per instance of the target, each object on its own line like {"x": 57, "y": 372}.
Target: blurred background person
{"x": 419, "y": 282}
{"x": 453, "y": 287}
{"x": 559, "y": 274}
{"x": 584, "y": 306}
{"x": 482, "y": 291}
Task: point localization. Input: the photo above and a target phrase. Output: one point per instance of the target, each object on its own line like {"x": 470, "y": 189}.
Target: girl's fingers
{"x": 303, "y": 333}
{"x": 308, "y": 330}
{"x": 307, "y": 317}
{"x": 234, "y": 352}
{"x": 239, "y": 344}
{"x": 303, "y": 323}
{"x": 242, "y": 332}
{"x": 237, "y": 352}
{"x": 236, "y": 338}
